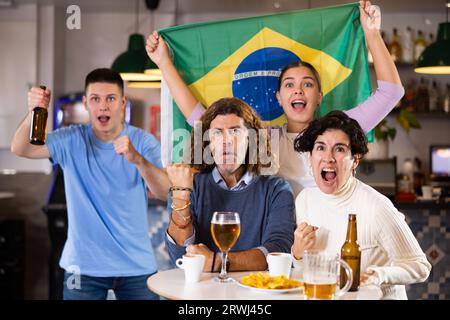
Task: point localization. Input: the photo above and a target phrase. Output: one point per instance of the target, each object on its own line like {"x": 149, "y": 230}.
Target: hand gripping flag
{"x": 244, "y": 57}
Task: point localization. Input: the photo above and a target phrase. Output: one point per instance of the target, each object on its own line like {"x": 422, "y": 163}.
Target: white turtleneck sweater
{"x": 387, "y": 244}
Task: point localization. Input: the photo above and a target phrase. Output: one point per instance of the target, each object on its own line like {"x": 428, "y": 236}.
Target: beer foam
{"x": 224, "y": 222}
{"x": 319, "y": 279}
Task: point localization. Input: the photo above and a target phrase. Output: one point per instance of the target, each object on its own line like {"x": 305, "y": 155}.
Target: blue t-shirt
{"x": 106, "y": 203}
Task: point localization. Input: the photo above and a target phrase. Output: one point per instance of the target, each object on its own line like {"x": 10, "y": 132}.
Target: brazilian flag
{"x": 244, "y": 57}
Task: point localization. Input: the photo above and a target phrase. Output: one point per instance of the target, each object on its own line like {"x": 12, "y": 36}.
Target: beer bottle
{"x": 446, "y": 100}
{"x": 351, "y": 253}
{"x": 38, "y": 129}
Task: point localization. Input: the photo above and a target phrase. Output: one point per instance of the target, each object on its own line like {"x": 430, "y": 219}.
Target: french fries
{"x": 263, "y": 280}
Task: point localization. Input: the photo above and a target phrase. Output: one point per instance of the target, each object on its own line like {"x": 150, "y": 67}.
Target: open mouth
{"x": 227, "y": 154}
{"x": 103, "y": 119}
{"x": 328, "y": 174}
{"x": 227, "y": 157}
{"x": 298, "y": 104}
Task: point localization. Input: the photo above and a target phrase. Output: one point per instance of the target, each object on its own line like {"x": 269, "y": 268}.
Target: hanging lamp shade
{"x": 435, "y": 59}
{"x": 131, "y": 64}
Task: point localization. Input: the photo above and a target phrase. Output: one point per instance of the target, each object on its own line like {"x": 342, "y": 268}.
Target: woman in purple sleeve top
{"x": 299, "y": 94}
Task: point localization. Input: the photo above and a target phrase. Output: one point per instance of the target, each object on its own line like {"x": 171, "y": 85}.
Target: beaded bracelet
{"x": 180, "y": 189}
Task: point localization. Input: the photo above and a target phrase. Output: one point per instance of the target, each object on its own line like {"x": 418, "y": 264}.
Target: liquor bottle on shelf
{"x": 431, "y": 38}
{"x": 419, "y": 45}
{"x": 435, "y": 97}
{"x": 446, "y": 99}
{"x": 408, "y": 45}
{"x": 422, "y": 96}
{"x": 395, "y": 48}
{"x": 408, "y": 101}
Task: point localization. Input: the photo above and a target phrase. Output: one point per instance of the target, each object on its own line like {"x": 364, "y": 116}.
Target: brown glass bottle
{"x": 351, "y": 253}
{"x": 38, "y": 129}
{"x": 395, "y": 48}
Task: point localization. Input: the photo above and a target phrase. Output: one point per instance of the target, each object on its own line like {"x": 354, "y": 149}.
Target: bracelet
{"x": 180, "y": 189}
{"x": 213, "y": 262}
{"x": 180, "y": 226}
{"x": 180, "y": 208}
{"x": 185, "y": 218}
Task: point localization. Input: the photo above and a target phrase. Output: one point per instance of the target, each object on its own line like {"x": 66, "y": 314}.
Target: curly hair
{"x": 333, "y": 120}
{"x": 251, "y": 119}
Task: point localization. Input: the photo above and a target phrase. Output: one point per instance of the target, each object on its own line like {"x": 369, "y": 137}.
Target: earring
{"x": 354, "y": 172}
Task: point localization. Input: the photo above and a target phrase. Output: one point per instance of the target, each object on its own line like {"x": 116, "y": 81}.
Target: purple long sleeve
{"x": 196, "y": 114}
{"x": 370, "y": 112}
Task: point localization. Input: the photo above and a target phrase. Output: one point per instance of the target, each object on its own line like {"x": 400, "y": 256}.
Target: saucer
{"x": 427, "y": 199}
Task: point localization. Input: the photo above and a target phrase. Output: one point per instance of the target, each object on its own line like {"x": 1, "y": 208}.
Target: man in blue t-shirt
{"x": 229, "y": 181}
{"x": 107, "y": 166}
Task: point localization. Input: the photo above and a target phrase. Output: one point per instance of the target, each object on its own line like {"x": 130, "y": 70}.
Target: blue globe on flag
{"x": 256, "y": 80}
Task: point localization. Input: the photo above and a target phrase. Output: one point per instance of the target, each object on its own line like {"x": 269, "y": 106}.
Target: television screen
{"x": 440, "y": 160}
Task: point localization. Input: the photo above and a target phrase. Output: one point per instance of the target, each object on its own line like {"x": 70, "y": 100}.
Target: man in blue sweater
{"x": 231, "y": 182}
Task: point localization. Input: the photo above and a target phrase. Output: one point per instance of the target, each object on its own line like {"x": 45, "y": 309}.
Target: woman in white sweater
{"x": 390, "y": 254}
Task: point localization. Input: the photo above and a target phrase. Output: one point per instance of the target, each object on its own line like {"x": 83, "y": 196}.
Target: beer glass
{"x": 321, "y": 274}
{"x": 225, "y": 230}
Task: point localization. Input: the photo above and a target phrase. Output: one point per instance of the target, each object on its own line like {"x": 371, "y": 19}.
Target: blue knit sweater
{"x": 265, "y": 206}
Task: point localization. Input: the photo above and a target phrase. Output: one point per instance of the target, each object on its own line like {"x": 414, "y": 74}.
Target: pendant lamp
{"x": 131, "y": 64}
{"x": 435, "y": 59}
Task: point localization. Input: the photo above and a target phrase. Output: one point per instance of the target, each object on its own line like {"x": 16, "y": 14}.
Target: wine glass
{"x": 225, "y": 230}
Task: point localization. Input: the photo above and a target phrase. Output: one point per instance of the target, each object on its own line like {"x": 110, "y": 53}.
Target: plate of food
{"x": 263, "y": 282}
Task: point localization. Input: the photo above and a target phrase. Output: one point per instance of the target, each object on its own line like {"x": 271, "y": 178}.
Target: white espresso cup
{"x": 192, "y": 264}
{"x": 280, "y": 263}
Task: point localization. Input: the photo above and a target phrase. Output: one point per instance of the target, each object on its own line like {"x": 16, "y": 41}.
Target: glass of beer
{"x": 321, "y": 275}
{"x": 225, "y": 230}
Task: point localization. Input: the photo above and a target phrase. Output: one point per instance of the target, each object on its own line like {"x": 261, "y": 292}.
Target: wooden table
{"x": 170, "y": 284}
